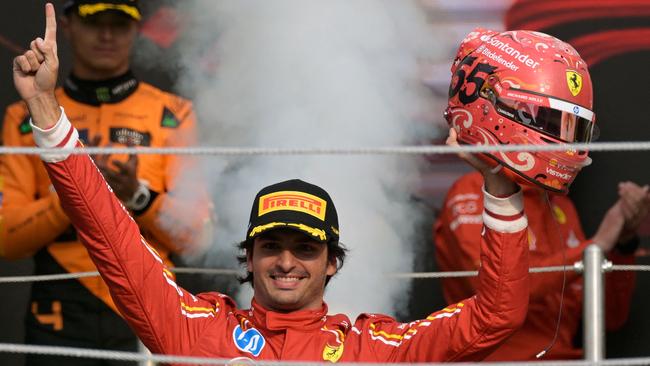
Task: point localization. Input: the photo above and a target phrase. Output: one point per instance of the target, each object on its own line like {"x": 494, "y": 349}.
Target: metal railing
{"x": 594, "y": 265}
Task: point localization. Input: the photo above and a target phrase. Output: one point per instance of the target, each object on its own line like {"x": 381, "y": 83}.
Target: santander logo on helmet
{"x": 523, "y": 87}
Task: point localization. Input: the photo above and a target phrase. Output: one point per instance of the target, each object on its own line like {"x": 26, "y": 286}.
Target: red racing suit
{"x": 552, "y": 234}
{"x": 169, "y": 320}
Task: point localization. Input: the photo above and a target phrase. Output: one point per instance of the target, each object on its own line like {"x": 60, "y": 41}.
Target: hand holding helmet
{"x": 496, "y": 183}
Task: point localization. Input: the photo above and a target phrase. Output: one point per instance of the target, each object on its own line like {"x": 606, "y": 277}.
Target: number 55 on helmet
{"x": 523, "y": 87}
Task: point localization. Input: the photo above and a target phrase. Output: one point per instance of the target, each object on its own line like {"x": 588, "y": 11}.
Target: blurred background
{"x": 378, "y": 76}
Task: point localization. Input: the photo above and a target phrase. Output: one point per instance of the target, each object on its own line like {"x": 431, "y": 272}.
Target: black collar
{"x": 97, "y": 92}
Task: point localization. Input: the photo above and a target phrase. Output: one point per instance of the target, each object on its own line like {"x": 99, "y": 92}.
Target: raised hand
{"x": 124, "y": 180}
{"x": 610, "y": 228}
{"x": 35, "y": 73}
{"x": 496, "y": 183}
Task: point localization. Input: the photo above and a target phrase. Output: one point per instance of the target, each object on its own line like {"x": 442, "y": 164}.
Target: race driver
{"x": 293, "y": 227}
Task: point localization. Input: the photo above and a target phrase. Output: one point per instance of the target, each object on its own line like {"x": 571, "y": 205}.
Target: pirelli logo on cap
{"x": 293, "y": 201}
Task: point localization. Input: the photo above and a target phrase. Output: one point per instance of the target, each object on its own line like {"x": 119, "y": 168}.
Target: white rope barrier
{"x": 233, "y": 272}
{"x": 109, "y": 355}
{"x": 213, "y": 271}
{"x": 434, "y": 274}
{"x": 390, "y": 150}
{"x": 47, "y": 278}
{"x": 454, "y": 274}
{"x": 77, "y": 275}
{"x": 140, "y": 357}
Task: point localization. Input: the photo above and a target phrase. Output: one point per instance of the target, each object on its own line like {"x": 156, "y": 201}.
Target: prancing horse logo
{"x": 574, "y": 81}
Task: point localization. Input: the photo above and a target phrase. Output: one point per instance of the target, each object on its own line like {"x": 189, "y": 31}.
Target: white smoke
{"x": 336, "y": 73}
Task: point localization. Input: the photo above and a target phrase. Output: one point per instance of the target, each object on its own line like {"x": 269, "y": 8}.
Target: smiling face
{"x": 101, "y": 43}
{"x": 289, "y": 270}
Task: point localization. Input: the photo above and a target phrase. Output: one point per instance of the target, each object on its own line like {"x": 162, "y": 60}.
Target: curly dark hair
{"x": 336, "y": 251}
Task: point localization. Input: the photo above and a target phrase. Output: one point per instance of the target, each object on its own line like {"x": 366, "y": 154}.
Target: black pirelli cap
{"x": 87, "y": 8}
{"x": 294, "y": 204}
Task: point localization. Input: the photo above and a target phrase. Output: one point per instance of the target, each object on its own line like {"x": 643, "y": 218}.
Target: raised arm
{"x": 483, "y": 321}
{"x": 469, "y": 330}
{"x": 166, "y": 318}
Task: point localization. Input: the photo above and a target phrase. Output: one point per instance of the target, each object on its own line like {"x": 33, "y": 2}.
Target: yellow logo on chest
{"x": 332, "y": 354}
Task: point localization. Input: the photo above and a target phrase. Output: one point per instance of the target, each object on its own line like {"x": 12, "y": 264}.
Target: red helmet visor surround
{"x": 523, "y": 87}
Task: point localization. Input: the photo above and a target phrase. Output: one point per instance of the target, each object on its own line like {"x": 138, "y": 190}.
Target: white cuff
{"x": 504, "y": 214}
{"x": 506, "y": 206}
{"x": 62, "y": 135}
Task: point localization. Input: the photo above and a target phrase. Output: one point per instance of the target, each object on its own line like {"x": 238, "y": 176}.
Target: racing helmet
{"x": 523, "y": 87}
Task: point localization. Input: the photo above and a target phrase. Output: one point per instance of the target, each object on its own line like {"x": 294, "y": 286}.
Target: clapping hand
{"x": 624, "y": 217}
{"x": 123, "y": 179}
{"x": 635, "y": 206}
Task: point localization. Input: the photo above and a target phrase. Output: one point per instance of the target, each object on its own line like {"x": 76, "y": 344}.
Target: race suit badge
{"x": 560, "y": 216}
{"x": 250, "y": 340}
{"x": 332, "y": 354}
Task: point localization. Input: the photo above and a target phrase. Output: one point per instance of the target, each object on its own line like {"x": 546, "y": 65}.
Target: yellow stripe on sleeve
{"x": 200, "y": 309}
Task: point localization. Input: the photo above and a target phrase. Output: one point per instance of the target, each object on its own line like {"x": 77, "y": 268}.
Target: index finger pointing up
{"x": 50, "y": 23}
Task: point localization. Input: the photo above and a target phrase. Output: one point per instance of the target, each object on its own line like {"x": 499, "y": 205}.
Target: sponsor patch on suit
{"x": 169, "y": 119}
{"x": 250, "y": 340}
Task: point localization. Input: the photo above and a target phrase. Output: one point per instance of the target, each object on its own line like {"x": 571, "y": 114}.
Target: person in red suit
{"x": 291, "y": 251}
{"x": 530, "y": 88}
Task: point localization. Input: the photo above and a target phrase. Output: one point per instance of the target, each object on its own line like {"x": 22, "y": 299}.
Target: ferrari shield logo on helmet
{"x": 574, "y": 81}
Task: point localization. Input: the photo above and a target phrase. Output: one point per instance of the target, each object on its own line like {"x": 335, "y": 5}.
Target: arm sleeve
{"x": 167, "y": 319}
{"x": 181, "y": 219}
{"x": 471, "y": 329}
{"x": 28, "y": 222}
